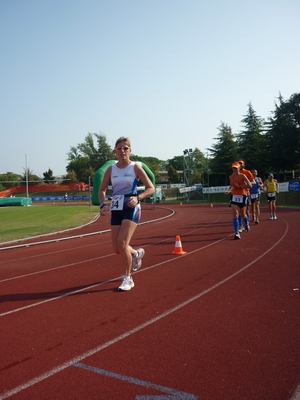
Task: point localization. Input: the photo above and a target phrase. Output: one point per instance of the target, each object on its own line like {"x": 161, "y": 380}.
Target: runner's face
{"x": 254, "y": 172}
{"x": 122, "y": 150}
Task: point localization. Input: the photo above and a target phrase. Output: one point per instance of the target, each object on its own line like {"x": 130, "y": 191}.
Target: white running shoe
{"x": 271, "y": 217}
{"x": 241, "y": 228}
{"x": 127, "y": 283}
{"x": 237, "y": 236}
{"x": 274, "y": 216}
{"x": 247, "y": 228}
{"x": 137, "y": 261}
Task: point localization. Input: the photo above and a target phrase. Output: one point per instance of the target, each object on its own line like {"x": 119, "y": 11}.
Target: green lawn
{"x": 21, "y": 222}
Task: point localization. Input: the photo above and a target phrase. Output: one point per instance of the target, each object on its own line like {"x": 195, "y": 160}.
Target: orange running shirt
{"x": 250, "y": 176}
{"x": 240, "y": 181}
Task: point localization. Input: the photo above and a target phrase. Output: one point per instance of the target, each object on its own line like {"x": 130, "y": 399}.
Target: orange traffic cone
{"x": 211, "y": 206}
{"x": 181, "y": 204}
{"x": 178, "y": 247}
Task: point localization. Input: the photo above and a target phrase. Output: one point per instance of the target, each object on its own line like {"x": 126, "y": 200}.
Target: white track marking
{"x": 98, "y": 284}
{"x": 134, "y": 330}
{"x": 296, "y": 394}
{"x": 86, "y": 260}
{"x": 68, "y": 237}
{"x": 146, "y": 269}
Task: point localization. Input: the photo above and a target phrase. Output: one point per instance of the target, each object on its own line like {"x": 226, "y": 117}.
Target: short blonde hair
{"x": 123, "y": 139}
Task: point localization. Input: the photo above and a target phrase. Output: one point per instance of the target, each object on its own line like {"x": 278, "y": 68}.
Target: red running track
{"x": 219, "y": 323}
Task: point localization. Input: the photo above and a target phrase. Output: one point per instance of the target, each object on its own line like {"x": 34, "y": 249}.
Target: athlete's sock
{"x": 236, "y": 225}
{"x": 246, "y": 221}
{"x": 240, "y": 220}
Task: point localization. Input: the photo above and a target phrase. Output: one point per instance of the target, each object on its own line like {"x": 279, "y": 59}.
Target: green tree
{"x": 88, "y": 175}
{"x": 196, "y": 177}
{"x": 9, "y": 180}
{"x": 104, "y": 152}
{"x": 199, "y": 161}
{"x": 87, "y": 157}
{"x": 283, "y": 135}
{"x": 32, "y": 178}
{"x": 79, "y": 167}
{"x": 48, "y": 176}
{"x": 176, "y": 162}
{"x": 251, "y": 141}
{"x": 152, "y": 162}
{"x": 174, "y": 177}
{"x": 224, "y": 153}
{"x": 70, "y": 177}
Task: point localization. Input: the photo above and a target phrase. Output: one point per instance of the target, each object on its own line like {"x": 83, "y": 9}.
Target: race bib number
{"x": 237, "y": 198}
{"x": 271, "y": 194}
{"x": 254, "y": 196}
{"x": 117, "y": 202}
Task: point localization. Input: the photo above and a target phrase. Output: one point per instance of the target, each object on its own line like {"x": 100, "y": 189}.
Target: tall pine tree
{"x": 251, "y": 141}
{"x": 224, "y": 152}
{"x": 283, "y": 135}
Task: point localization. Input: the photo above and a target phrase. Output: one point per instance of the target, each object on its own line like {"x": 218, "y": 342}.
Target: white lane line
{"x": 77, "y": 247}
{"x": 102, "y": 283}
{"x": 142, "y": 270}
{"x": 98, "y": 284}
{"x": 296, "y": 394}
{"x": 67, "y": 237}
{"x": 86, "y": 260}
{"x": 47, "y": 234}
{"x": 56, "y": 268}
{"x": 175, "y": 394}
{"x": 91, "y": 352}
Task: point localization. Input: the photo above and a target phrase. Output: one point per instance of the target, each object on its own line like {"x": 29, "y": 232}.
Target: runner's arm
{"x": 248, "y": 184}
{"x": 143, "y": 177}
{"x": 104, "y": 185}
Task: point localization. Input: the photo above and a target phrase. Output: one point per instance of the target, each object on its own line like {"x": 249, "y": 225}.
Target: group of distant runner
{"x": 245, "y": 189}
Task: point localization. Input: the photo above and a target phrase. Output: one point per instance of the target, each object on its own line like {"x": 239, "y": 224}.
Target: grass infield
{"x": 23, "y": 222}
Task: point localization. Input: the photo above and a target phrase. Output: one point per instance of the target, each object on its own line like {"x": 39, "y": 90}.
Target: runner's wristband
{"x": 102, "y": 205}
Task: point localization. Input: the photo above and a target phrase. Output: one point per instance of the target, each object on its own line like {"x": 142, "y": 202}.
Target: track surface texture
{"x": 218, "y": 323}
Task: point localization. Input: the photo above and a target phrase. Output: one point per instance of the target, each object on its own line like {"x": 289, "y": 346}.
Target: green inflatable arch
{"x": 98, "y": 178}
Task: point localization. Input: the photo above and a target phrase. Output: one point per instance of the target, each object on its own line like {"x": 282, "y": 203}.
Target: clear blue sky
{"x": 165, "y": 73}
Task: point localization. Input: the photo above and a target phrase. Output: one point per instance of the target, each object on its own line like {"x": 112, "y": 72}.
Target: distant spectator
{"x": 66, "y": 198}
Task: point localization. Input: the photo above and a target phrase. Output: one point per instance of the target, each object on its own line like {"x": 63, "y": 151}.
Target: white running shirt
{"x": 124, "y": 180}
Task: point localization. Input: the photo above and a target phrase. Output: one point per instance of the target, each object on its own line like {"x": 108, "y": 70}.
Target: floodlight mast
{"x": 26, "y": 173}
{"x": 187, "y": 171}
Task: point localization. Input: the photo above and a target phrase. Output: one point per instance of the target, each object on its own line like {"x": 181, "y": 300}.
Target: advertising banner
{"x": 294, "y": 186}
{"x": 61, "y": 198}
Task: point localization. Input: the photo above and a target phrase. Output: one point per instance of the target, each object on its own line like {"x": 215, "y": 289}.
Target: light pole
{"x": 90, "y": 197}
{"x": 26, "y": 174}
{"x": 186, "y": 169}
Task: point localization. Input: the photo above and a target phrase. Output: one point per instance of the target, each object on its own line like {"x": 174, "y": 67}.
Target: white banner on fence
{"x": 283, "y": 187}
{"x": 216, "y": 189}
{"x": 187, "y": 189}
